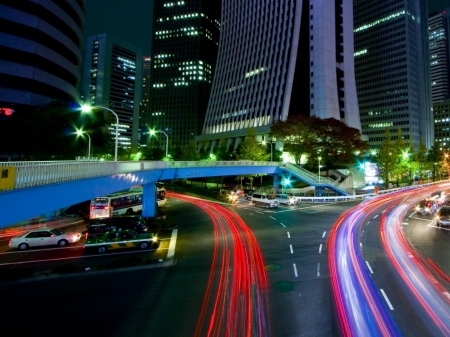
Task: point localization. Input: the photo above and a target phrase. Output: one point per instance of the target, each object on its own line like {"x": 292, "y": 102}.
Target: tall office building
{"x": 392, "y": 70}
{"x": 40, "y": 53}
{"x": 144, "y": 109}
{"x": 439, "y": 34}
{"x": 112, "y": 78}
{"x": 280, "y": 58}
{"x": 184, "y": 49}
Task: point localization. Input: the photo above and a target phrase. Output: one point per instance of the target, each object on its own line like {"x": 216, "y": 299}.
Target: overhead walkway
{"x": 315, "y": 180}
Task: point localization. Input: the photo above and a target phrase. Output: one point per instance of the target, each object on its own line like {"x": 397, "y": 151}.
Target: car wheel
{"x": 143, "y": 245}
{"x": 23, "y": 246}
{"x": 63, "y": 243}
{"x": 102, "y": 249}
{"x": 129, "y": 211}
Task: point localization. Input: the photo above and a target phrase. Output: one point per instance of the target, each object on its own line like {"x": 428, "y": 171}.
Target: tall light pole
{"x": 319, "y": 168}
{"x": 152, "y": 132}
{"x": 270, "y": 143}
{"x": 88, "y": 108}
{"x": 79, "y": 133}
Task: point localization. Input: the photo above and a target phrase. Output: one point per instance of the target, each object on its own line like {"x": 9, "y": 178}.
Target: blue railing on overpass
{"x": 39, "y": 173}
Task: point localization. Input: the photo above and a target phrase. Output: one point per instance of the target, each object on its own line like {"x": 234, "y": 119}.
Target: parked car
{"x": 426, "y": 206}
{"x": 98, "y": 226}
{"x": 265, "y": 200}
{"x": 44, "y": 237}
{"x": 285, "y": 199}
{"x": 443, "y": 216}
{"x": 122, "y": 239}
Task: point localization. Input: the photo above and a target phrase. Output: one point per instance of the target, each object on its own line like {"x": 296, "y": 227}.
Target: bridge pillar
{"x": 276, "y": 183}
{"x": 319, "y": 191}
{"x": 149, "y": 200}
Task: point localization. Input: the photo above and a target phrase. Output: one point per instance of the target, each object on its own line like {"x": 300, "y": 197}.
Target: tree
{"x": 434, "y": 157}
{"x": 399, "y": 151}
{"x": 421, "y": 158}
{"x": 387, "y": 159}
{"x": 189, "y": 152}
{"x": 250, "y": 149}
{"x": 298, "y": 134}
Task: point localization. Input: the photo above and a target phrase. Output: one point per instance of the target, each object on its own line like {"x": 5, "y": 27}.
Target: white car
{"x": 285, "y": 199}
{"x": 44, "y": 237}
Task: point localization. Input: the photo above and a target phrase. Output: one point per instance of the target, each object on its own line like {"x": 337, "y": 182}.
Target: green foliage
{"x": 190, "y": 152}
{"x": 250, "y": 149}
{"x": 387, "y": 160}
{"x": 332, "y": 140}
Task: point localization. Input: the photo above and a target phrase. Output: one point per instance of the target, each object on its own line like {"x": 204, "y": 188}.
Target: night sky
{"x": 132, "y": 20}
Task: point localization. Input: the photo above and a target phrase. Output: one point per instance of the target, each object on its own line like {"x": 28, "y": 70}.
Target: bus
{"x": 124, "y": 202}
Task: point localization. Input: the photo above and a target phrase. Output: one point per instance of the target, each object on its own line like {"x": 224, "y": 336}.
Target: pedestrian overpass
{"x": 28, "y": 189}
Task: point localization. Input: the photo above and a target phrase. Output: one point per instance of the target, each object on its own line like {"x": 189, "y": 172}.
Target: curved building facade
{"x": 279, "y": 58}
{"x": 40, "y": 52}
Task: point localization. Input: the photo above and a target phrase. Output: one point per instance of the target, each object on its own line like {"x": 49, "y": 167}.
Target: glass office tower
{"x": 184, "y": 51}
{"x": 279, "y": 58}
{"x": 392, "y": 70}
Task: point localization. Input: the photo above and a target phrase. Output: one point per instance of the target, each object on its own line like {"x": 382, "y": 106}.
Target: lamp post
{"x": 79, "y": 133}
{"x": 319, "y": 168}
{"x": 152, "y": 132}
{"x": 270, "y": 143}
{"x": 88, "y": 108}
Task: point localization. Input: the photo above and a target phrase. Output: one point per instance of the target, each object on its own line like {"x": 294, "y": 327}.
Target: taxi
{"x": 120, "y": 239}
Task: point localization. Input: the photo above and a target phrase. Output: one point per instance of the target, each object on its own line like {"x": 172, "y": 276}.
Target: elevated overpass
{"x": 28, "y": 189}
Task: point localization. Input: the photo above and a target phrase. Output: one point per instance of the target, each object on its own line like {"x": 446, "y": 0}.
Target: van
{"x": 264, "y": 200}
{"x": 102, "y": 225}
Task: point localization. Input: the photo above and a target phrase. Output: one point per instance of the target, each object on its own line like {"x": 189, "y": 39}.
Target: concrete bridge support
{"x": 149, "y": 199}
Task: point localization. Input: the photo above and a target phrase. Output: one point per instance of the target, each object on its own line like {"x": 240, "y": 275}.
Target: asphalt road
{"x": 165, "y": 300}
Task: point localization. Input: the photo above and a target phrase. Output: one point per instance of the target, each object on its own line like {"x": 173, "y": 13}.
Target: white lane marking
{"x": 387, "y": 299}
{"x": 360, "y": 244}
{"x": 295, "y": 270}
{"x": 368, "y": 266}
{"x": 405, "y": 223}
{"x": 283, "y": 225}
{"x": 292, "y": 251}
{"x": 173, "y": 242}
{"x": 376, "y": 216}
{"x": 272, "y": 217}
{"x": 324, "y": 234}
{"x": 368, "y": 222}
{"x": 289, "y": 235}
{"x": 320, "y": 249}
{"x": 446, "y": 294}
{"x": 318, "y": 269}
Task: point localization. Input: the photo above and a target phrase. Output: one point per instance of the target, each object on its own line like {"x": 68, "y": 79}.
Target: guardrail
{"x": 31, "y": 174}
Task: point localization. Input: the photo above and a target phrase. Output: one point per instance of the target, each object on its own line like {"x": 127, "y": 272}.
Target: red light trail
{"x": 236, "y": 299}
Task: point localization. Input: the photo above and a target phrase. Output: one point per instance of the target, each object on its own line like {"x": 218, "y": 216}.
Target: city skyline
{"x": 101, "y": 17}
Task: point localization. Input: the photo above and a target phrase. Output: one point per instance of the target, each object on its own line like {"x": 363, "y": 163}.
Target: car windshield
{"x": 56, "y": 232}
{"x": 270, "y": 197}
{"x": 444, "y": 211}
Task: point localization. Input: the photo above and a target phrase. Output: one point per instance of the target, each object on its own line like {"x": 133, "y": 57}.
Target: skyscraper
{"x": 439, "y": 35}
{"x": 280, "y": 58}
{"x": 144, "y": 110}
{"x": 392, "y": 70}
{"x": 112, "y": 78}
{"x": 184, "y": 49}
{"x": 40, "y": 52}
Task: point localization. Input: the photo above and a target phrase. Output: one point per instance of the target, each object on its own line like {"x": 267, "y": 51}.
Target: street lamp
{"x": 319, "y": 168}
{"x": 270, "y": 143}
{"x": 88, "y": 108}
{"x": 79, "y": 133}
{"x": 152, "y": 132}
